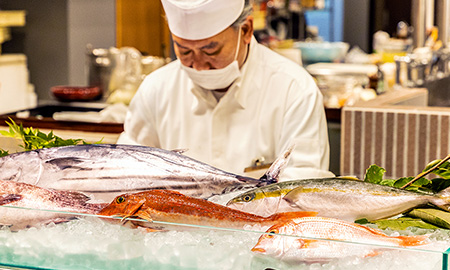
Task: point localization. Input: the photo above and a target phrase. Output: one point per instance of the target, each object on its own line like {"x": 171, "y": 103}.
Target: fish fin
{"x": 443, "y": 200}
{"x": 413, "y": 240}
{"x": 348, "y": 177}
{"x": 272, "y": 174}
{"x": 306, "y": 243}
{"x": 65, "y": 162}
{"x": 287, "y": 216}
{"x": 123, "y": 219}
{"x": 74, "y": 195}
{"x": 145, "y": 215}
{"x": 149, "y": 230}
{"x": 372, "y": 253}
{"x": 9, "y": 198}
{"x": 58, "y": 220}
{"x": 293, "y": 195}
{"x": 180, "y": 151}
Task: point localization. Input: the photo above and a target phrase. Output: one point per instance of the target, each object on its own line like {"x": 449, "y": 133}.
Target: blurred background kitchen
{"x": 73, "y": 66}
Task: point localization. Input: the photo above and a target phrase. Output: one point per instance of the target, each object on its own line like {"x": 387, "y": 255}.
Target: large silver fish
{"x": 341, "y": 198}
{"x": 15, "y": 196}
{"x": 107, "y": 170}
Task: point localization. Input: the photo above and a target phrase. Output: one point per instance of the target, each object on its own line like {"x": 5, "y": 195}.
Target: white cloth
{"x": 275, "y": 104}
{"x": 200, "y": 19}
{"x": 114, "y": 113}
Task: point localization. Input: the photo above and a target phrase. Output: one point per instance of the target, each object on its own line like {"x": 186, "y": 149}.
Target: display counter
{"x": 88, "y": 242}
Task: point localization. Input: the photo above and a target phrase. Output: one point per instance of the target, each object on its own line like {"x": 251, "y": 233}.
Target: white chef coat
{"x": 273, "y": 105}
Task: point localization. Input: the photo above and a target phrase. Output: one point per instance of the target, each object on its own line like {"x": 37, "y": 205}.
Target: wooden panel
{"x": 403, "y": 141}
{"x": 141, "y": 24}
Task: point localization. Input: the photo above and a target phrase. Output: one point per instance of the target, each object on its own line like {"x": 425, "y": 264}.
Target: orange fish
{"x": 370, "y": 241}
{"x": 172, "y": 206}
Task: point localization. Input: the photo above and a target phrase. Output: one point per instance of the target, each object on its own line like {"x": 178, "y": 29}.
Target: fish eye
{"x": 120, "y": 199}
{"x": 248, "y": 197}
{"x": 271, "y": 233}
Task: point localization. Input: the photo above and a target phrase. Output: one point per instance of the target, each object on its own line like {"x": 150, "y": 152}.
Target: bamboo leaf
{"x": 436, "y": 217}
{"x": 403, "y": 223}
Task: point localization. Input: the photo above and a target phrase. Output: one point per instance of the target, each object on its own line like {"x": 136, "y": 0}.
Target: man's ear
{"x": 247, "y": 29}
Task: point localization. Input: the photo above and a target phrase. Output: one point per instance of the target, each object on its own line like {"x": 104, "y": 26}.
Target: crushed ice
{"x": 90, "y": 243}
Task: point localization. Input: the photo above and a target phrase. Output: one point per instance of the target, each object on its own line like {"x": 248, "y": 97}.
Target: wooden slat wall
{"x": 141, "y": 24}
{"x": 401, "y": 141}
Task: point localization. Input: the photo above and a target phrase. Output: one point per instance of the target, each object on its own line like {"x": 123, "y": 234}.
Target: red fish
{"x": 172, "y": 206}
{"x": 311, "y": 250}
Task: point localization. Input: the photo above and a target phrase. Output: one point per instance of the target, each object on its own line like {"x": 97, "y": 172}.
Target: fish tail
{"x": 413, "y": 240}
{"x": 287, "y": 216}
{"x": 266, "y": 180}
{"x": 443, "y": 199}
{"x": 271, "y": 175}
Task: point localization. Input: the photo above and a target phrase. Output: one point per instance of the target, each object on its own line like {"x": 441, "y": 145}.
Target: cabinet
{"x": 141, "y": 24}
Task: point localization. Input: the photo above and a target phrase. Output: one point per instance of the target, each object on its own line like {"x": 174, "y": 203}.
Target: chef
{"x": 229, "y": 101}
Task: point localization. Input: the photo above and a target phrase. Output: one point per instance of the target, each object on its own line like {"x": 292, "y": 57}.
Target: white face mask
{"x": 213, "y": 79}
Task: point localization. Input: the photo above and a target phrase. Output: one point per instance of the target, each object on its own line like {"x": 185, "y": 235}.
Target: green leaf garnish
{"x": 443, "y": 171}
{"x": 374, "y": 174}
{"x": 3, "y": 153}
{"x": 34, "y": 139}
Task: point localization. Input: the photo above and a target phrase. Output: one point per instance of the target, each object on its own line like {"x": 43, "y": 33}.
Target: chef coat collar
{"x": 206, "y": 100}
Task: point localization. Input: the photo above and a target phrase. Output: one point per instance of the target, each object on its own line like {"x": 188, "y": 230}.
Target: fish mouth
{"x": 235, "y": 205}
{"x": 258, "y": 249}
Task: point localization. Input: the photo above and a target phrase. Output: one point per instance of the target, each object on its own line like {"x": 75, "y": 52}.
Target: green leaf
{"x": 415, "y": 186}
{"x": 443, "y": 170}
{"x": 436, "y": 217}
{"x": 438, "y": 184}
{"x": 35, "y": 139}
{"x": 3, "y": 153}
{"x": 387, "y": 182}
{"x": 362, "y": 221}
{"x": 403, "y": 223}
{"x": 374, "y": 174}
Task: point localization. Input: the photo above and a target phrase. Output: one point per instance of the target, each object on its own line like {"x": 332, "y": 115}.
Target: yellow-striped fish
{"x": 342, "y": 198}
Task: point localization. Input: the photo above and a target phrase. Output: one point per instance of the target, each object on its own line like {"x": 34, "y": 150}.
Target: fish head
{"x": 277, "y": 240}
{"x": 125, "y": 205}
{"x": 260, "y": 201}
{"x": 9, "y": 198}
{"x": 270, "y": 243}
{"x": 280, "y": 241}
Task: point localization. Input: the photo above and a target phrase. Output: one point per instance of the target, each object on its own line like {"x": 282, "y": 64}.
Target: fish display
{"x": 104, "y": 171}
{"x": 365, "y": 241}
{"x": 172, "y": 206}
{"x": 341, "y": 198}
{"x": 22, "y": 195}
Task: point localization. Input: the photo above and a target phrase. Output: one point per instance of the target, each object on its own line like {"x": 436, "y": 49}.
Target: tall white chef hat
{"x": 200, "y": 19}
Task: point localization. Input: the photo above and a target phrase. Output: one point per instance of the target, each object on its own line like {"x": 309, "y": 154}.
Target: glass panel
{"x": 89, "y": 242}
